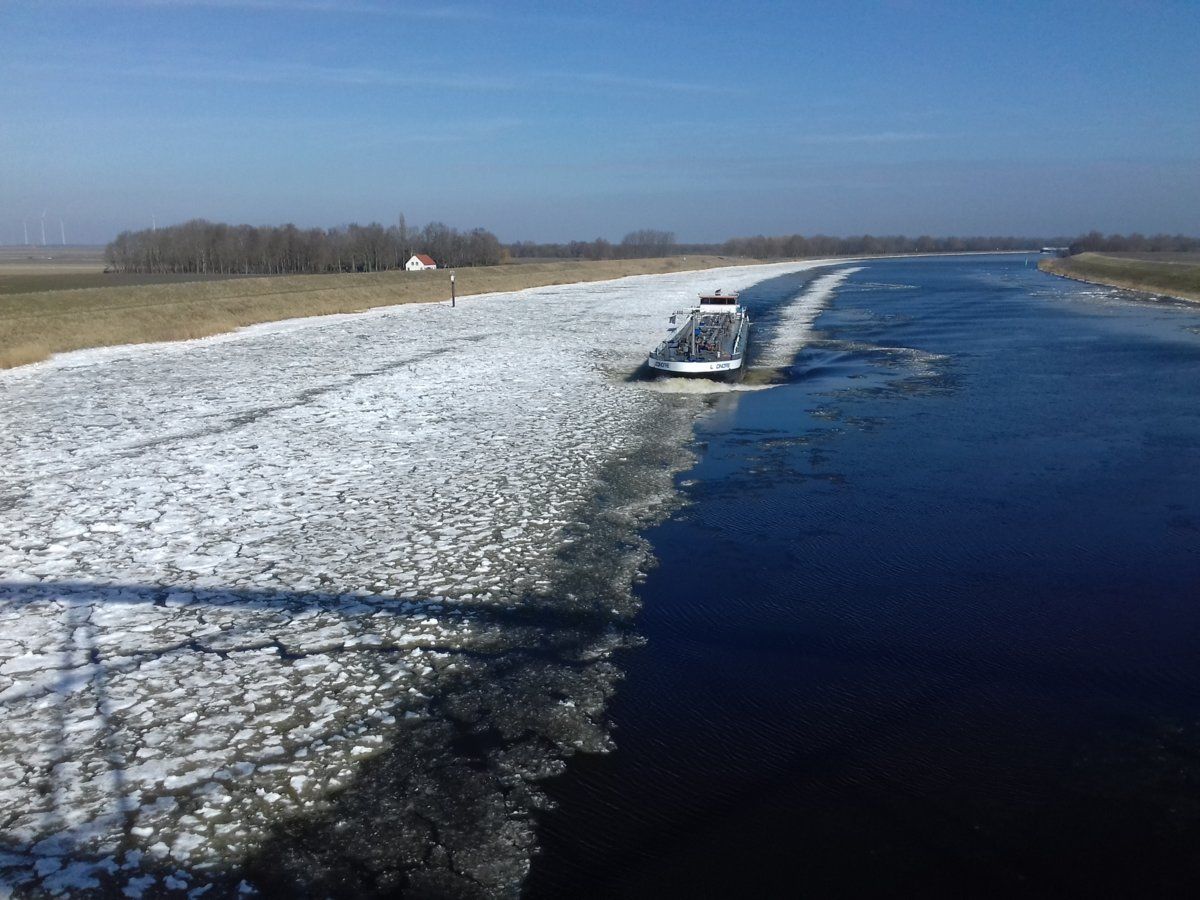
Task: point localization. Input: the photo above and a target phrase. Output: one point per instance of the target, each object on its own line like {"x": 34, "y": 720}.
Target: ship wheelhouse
{"x": 718, "y": 303}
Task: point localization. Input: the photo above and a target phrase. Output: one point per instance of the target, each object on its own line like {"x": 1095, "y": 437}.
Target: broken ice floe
{"x": 242, "y": 577}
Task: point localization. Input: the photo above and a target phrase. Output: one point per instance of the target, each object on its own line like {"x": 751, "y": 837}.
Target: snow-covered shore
{"x": 239, "y": 575}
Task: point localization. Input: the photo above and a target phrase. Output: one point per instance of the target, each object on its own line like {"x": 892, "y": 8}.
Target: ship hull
{"x": 722, "y": 365}
{"x": 699, "y": 369}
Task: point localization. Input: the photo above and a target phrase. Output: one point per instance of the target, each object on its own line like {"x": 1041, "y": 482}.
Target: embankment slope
{"x": 1174, "y": 277}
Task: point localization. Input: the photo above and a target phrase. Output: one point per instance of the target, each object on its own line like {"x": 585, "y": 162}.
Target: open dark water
{"x": 931, "y": 621}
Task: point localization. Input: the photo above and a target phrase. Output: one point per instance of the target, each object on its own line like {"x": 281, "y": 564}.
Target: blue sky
{"x": 553, "y": 121}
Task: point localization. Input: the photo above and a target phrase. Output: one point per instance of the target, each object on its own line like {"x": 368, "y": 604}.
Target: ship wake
{"x": 794, "y": 328}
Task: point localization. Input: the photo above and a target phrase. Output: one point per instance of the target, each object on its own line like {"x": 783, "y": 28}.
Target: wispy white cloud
{"x": 307, "y": 74}
{"x": 868, "y": 137}
{"x": 610, "y": 81}
{"x": 200, "y": 69}
{"x": 203, "y": 68}
{"x": 352, "y": 7}
{"x": 459, "y": 133}
{"x": 347, "y": 133}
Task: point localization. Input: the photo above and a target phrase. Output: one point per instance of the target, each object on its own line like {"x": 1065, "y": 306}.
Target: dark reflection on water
{"x": 930, "y": 623}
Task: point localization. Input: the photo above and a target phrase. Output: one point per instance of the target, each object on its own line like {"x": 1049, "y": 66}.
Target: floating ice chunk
{"x": 185, "y": 844}
{"x": 136, "y": 887}
{"x": 31, "y": 662}
{"x": 78, "y": 876}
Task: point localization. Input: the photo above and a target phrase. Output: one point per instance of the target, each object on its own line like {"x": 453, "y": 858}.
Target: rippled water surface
{"x": 930, "y": 619}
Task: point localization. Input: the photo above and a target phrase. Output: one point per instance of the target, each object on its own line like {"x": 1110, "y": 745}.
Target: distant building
{"x": 420, "y": 262}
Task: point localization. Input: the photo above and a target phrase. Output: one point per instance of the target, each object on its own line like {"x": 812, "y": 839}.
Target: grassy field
{"x": 35, "y": 324}
{"x": 1190, "y": 258}
{"x": 1174, "y": 274}
{"x": 31, "y": 270}
{"x": 40, "y": 281}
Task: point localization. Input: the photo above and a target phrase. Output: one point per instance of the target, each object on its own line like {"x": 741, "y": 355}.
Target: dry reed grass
{"x": 1170, "y": 276}
{"x": 33, "y": 326}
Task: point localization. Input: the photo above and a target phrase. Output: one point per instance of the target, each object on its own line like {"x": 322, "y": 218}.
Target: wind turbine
{"x": 62, "y": 229}
{"x": 153, "y": 223}
{"x": 43, "y": 228}
{"x": 25, "y": 225}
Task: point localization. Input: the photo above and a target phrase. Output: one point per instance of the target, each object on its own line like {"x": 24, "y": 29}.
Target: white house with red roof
{"x": 420, "y": 262}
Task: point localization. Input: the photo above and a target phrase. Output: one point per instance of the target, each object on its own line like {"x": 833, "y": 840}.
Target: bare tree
{"x": 202, "y": 247}
{"x": 647, "y": 242}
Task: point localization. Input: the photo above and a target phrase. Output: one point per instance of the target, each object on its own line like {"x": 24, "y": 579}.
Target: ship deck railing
{"x": 714, "y": 335}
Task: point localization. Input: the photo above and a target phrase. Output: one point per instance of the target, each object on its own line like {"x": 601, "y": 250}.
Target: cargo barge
{"x": 711, "y": 342}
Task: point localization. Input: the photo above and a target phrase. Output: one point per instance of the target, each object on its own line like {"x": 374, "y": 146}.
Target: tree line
{"x": 649, "y": 243}
{"x": 641, "y": 244}
{"x": 204, "y": 247}
{"x": 794, "y": 245}
{"x": 214, "y": 248}
{"x": 1095, "y": 242}
{"x": 636, "y": 244}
